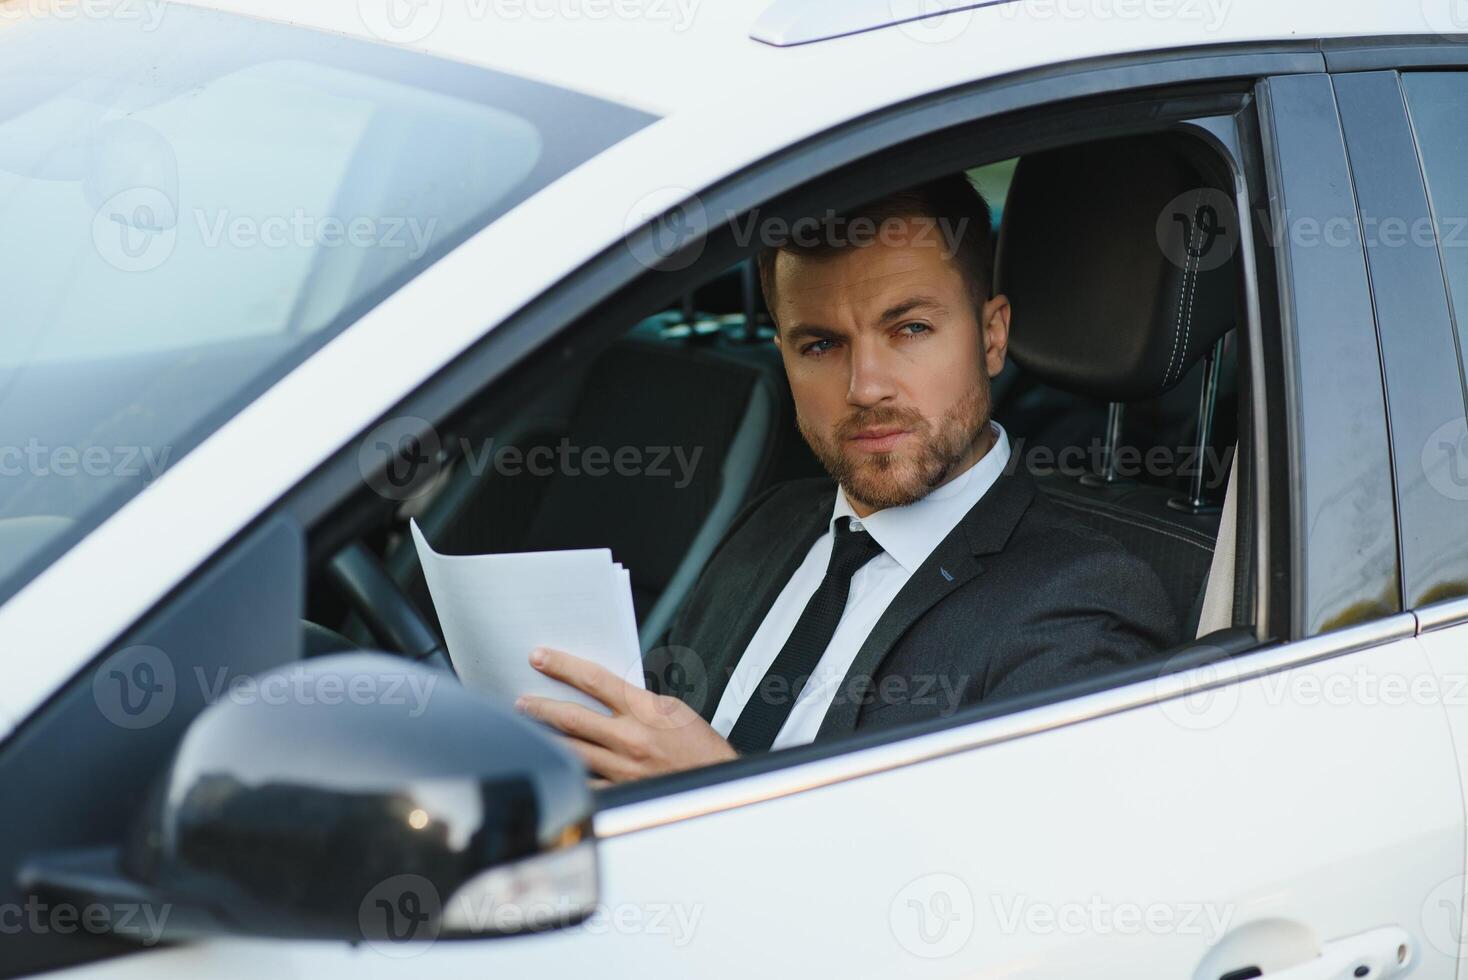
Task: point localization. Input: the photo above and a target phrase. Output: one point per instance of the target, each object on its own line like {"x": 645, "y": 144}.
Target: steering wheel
{"x": 390, "y": 615}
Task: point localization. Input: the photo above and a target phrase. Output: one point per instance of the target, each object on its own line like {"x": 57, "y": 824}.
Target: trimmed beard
{"x": 882, "y": 480}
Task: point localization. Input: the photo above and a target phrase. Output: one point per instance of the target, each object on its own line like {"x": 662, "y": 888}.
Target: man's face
{"x": 888, "y": 363}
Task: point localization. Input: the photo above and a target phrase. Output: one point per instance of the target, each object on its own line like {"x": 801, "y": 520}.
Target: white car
{"x": 278, "y": 276}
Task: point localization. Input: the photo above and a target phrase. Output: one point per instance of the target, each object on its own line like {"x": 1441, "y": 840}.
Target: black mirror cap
{"x": 368, "y": 797}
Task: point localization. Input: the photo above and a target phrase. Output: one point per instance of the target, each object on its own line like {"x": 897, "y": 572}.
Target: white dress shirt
{"x": 907, "y": 536}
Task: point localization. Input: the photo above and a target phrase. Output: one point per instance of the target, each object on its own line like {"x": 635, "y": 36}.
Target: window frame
{"x": 945, "y": 149}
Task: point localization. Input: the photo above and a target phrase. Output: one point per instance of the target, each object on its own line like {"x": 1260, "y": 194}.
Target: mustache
{"x": 866, "y": 418}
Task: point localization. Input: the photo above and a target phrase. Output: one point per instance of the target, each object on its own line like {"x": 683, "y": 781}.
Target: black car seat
{"x": 1110, "y": 301}
{"x": 653, "y": 392}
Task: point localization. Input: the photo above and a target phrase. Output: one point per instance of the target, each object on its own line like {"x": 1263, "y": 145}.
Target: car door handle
{"x": 1374, "y": 955}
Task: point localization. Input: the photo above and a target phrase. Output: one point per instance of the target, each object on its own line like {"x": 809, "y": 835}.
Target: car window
{"x": 190, "y": 210}
{"x": 1436, "y": 103}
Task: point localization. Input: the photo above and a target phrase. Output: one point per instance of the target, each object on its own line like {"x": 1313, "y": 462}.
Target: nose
{"x": 873, "y": 377}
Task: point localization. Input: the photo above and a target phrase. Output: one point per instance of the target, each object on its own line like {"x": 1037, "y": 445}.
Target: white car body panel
{"x": 1300, "y": 797}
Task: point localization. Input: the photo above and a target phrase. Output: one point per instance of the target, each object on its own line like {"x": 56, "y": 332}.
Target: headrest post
{"x": 748, "y": 286}
{"x": 1193, "y": 502}
{"x": 1109, "y": 477}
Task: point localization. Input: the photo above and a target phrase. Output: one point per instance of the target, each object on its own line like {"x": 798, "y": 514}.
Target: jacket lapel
{"x": 984, "y": 530}
{"x": 772, "y": 572}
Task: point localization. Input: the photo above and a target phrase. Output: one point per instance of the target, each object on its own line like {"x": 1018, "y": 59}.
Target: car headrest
{"x": 1118, "y": 259}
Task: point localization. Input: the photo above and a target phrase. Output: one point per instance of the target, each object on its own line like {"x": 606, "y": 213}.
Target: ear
{"x": 995, "y": 320}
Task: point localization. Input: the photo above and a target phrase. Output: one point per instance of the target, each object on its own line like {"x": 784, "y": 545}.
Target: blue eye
{"x": 815, "y": 348}
{"x": 917, "y": 328}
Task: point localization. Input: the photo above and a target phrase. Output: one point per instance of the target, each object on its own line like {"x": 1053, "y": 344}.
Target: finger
{"x": 600, "y": 760}
{"x": 585, "y": 676}
{"x": 572, "y": 719}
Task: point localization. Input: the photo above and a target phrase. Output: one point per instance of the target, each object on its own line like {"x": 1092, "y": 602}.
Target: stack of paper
{"x": 495, "y": 609}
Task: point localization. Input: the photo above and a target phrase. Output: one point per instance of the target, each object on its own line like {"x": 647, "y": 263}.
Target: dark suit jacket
{"x": 1017, "y": 598}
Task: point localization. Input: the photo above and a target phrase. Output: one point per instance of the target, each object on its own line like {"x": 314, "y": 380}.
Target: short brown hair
{"x": 952, "y": 202}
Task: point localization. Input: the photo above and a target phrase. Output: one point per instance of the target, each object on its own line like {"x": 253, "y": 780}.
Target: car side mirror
{"x": 358, "y": 797}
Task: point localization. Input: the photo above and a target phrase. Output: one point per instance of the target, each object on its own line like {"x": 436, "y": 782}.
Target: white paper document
{"x": 495, "y": 609}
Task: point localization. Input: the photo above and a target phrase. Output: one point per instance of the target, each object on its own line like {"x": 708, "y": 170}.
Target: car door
{"x": 1291, "y": 812}
{"x": 1406, "y": 131}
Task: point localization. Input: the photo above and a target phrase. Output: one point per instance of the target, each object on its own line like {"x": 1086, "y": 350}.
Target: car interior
{"x": 1121, "y": 396}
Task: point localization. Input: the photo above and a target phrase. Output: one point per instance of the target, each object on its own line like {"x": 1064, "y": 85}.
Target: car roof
{"x": 670, "y": 56}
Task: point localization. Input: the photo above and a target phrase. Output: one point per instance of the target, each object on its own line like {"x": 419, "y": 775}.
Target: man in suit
{"x": 926, "y": 575}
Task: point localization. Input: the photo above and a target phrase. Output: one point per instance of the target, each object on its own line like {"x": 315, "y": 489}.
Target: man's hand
{"x": 647, "y": 734}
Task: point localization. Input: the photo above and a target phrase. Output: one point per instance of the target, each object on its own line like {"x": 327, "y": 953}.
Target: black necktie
{"x": 772, "y": 701}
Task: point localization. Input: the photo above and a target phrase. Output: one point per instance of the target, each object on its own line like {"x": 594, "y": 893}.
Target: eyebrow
{"x": 898, "y": 310}
{"x": 893, "y": 312}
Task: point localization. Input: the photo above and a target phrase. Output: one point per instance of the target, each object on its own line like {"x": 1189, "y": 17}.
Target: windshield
{"x": 192, "y": 203}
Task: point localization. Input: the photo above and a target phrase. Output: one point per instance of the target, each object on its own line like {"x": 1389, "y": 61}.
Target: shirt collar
{"x": 910, "y": 533}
